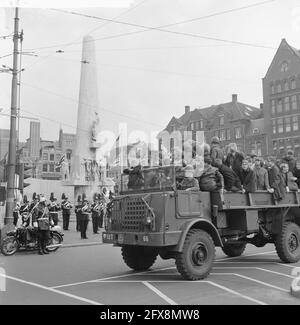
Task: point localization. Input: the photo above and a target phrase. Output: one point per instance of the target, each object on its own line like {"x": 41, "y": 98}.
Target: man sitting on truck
{"x": 247, "y": 177}
{"x": 189, "y": 183}
{"x": 275, "y": 179}
{"x": 231, "y": 181}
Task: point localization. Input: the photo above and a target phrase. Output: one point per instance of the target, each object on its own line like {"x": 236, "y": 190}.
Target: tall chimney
{"x": 187, "y": 109}
{"x": 234, "y": 98}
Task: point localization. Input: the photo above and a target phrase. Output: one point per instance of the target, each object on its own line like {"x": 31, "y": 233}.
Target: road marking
{"x": 236, "y": 293}
{"x": 252, "y": 268}
{"x": 190, "y": 282}
{"x": 254, "y": 280}
{"x": 159, "y": 293}
{"x": 51, "y": 290}
{"x": 146, "y": 272}
{"x": 288, "y": 265}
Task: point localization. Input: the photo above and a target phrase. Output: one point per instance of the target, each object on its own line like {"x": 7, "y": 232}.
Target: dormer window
{"x": 284, "y": 66}
{"x": 222, "y": 121}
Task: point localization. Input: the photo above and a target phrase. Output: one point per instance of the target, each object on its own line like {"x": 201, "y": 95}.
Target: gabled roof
{"x": 236, "y": 110}
{"x": 293, "y": 50}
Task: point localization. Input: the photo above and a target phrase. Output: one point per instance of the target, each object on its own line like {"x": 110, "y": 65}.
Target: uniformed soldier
{"x": 78, "y": 212}
{"x": 53, "y": 208}
{"x": 66, "y": 211}
{"x": 42, "y": 220}
{"x": 96, "y": 211}
{"x": 84, "y": 218}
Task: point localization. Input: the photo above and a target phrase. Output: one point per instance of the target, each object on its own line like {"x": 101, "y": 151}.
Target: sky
{"x": 145, "y": 78}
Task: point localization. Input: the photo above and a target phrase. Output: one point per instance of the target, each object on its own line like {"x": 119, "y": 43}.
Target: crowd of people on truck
{"x": 227, "y": 169}
{"x": 38, "y": 215}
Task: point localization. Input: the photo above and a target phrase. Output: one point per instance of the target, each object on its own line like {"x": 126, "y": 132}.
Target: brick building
{"x": 231, "y": 122}
{"x": 281, "y": 92}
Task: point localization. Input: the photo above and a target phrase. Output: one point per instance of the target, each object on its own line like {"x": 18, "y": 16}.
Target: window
{"x": 288, "y": 124}
{"x": 222, "y": 120}
{"x": 272, "y": 89}
{"x": 222, "y": 135}
{"x": 52, "y": 156}
{"x": 69, "y": 155}
{"x": 273, "y": 107}
{"x": 286, "y": 86}
{"x": 274, "y": 145}
{"x": 45, "y": 156}
{"x": 45, "y": 168}
{"x": 293, "y": 84}
{"x": 192, "y": 126}
{"x": 295, "y": 123}
{"x": 238, "y": 133}
{"x": 284, "y": 66}
{"x": 280, "y": 125}
{"x": 294, "y": 102}
{"x": 279, "y": 89}
{"x": 274, "y": 126}
{"x": 201, "y": 124}
{"x": 51, "y": 169}
{"x": 287, "y": 104}
{"x": 279, "y": 106}
{"x": 228, "y": 135}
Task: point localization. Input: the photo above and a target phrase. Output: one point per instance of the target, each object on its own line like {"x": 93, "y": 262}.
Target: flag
{"x": 61, "y": 161}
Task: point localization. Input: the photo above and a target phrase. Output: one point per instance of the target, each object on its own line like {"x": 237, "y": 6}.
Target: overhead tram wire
{"x": 97, "y": 28}
{"x": 159, "y": 28}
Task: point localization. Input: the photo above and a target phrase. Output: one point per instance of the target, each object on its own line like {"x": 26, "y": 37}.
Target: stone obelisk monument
{"x": 85, "y": 171}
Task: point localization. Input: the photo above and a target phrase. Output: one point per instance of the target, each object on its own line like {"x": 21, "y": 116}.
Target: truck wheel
{"x": 197, "y": 256}
{"x": 287, "y": 243}
{"x": 139, "y": 258}
{"x": 234, "y": 250}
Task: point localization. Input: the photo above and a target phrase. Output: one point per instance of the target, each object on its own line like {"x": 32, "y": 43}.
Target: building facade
{"x": 281, "y": 93}
{"x": 230, "y": 122}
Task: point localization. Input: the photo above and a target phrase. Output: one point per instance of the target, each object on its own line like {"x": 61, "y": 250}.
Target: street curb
{"x": 82, "y": 244}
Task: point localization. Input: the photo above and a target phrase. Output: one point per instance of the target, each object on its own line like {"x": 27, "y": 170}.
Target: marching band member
{"x": 96, "y": 210}
{"x": 66, "y": 211}
{"x": 78, "y": 212}
{"x": 84, "y": 217}
{"x": 53, "y": 208}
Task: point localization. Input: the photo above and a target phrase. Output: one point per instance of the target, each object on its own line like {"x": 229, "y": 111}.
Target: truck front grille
{"x": 128, "y": 214}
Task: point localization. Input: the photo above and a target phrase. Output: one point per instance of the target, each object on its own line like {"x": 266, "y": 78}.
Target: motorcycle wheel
{"x": 54, "y": 240}
{"x": 9, "y": 246}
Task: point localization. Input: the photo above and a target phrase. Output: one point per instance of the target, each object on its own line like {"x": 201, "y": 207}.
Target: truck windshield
{"x": 148, "y": 179}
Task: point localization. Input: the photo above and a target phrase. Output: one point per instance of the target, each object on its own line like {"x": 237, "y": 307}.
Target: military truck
{"x": 158, "y": 219}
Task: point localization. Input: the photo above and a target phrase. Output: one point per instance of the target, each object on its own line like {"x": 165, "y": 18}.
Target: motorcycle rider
{"x": 41, "y": 219}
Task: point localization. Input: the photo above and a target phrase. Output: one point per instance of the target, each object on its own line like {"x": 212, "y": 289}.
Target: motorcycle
{"x": 16, "y": 240}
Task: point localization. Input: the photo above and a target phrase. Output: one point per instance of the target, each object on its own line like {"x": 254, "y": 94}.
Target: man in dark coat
{"x": 216, "y": 152}
{"x": 296, "y": 173}
{"x": 136, "y": 179}
{"x": 290, "y": 160}
{"x": 231, "y": 181}
{"x": 234, "y": 158}
{"x": 247, "y": 177}
{"x": 275, "y": 180}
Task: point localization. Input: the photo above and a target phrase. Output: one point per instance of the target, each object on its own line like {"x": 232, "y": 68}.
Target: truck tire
{"x": 139, "y": 258}
{"x": 287, "y": 243}
{"x": 197, "y": 256}
{"x": 234, "y": 250}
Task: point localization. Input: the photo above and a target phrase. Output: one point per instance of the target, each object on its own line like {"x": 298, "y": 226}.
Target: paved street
{"x": 97, "y": 275}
